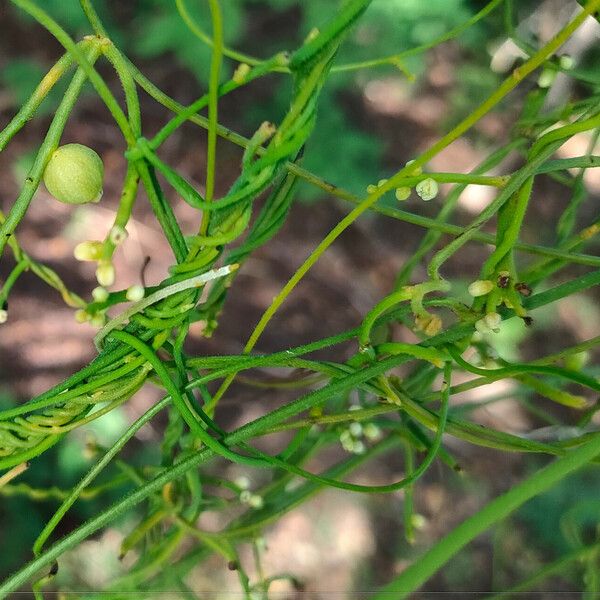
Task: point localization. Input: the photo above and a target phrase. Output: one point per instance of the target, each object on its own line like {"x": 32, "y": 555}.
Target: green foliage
{"x": 142, "y": 330}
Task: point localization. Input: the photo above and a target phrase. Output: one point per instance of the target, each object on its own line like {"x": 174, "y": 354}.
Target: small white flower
{"x": 427, "y": 189}
{"x": 546, "y": 78}
{"x": 242, "y": 482}
{"x": 105, "y": 274}
{"x": 347, "y": 440}
{"x": 245, "y": 496}
{"x": 82, "y": 316}
{"x": 99, "y": 294}
{"x": 90, "y": 250}
{"x": 481, "y": 287}
{"x": 256, "y": 501}
{"x": 98, "y": 320}
{"x": 493, "y": 320}
{"x": 489, "y": 323}
{"x": 355, "y": 429}
{"x": 416, "y": 171}
{"x": 566, "y": 62}
{"x": 429, "y": 324}
{"x": 359, "y": 447}
{"x": 3, "y": 315}
{"x": 372, "y": 432}
{"x": 135, "y": 293}
{"x": 418, "y": 521}
{"x": 402, "y": 194}
{"x": 241, "y": 72}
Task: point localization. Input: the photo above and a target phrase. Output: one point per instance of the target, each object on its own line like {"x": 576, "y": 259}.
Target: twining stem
{"x": 508, "y": 85}
{"x": 213, "y": 104}
{"x": 429, "y": 563}
{"x": 50, "y": 143}
{"x": 65, "y": 40}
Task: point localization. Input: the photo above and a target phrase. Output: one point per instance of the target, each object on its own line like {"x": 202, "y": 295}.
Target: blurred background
{"x": 370, "y": 123}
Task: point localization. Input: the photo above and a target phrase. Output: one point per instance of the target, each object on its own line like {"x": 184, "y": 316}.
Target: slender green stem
{"x": 434, "y": 559}
{"x": 213, "y": 103}
{"x": 50, "y": 143}
{"x": 65, "y": 40}
{"x": 507, "y": 86}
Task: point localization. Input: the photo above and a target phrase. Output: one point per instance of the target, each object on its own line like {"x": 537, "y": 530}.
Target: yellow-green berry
{"x": 74, "y": 174}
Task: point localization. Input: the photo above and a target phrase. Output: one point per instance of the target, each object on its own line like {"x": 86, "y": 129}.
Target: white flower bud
{"x": 416, "y": 171}
{"x": 245, "y": 497}
{"x": 105, "y": 274}
{"x": 355, "y": 429}
{"x": 482, "y": 327}
{"x": 256, "y": 501}
{"x": 99, "y": 294}
{"x": 82, "y": 316}
{"x": 489, "y": 323}
{"x": 135, "y": 293}
{"x": 427, "y": 189}
{"x": 566, "y": 62}
{"x": 428, "y": 324}
{"x": 402, "y": 194}
{"x": 493, "y": 321}
{"x": 312, "y": 34}
{"x": 117, "y": 234}
{"x": 372, "y": 432}
{"x": 241, "y": 72}
{"x": 90, "y": 250}
{"x": 359, "y": 447}
{"x": 98, "y": 320}
{"x": 242, "y": 482}
{"x": 546, "y": 78}
{"x": 481, "y": 287}
{"x": 3, "y": 315}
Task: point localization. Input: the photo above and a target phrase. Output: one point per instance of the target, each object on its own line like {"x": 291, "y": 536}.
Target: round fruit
{"x": 74, "y": 174}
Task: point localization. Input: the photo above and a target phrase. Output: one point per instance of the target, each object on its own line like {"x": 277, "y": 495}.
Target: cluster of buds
{"x": 246, "y": 496}
{"x": 373, "y": 188}
{"x": 501, "y": 291}
{"x": 427, "y": 189}
{"x": 101, "y": 253}
{"x": 489, "y": 323}
{"x": 429, "y": 323}
{"x": 97, "y": 319}
{"x": 240, "y": 74}
{"x": 352, "y": 438}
